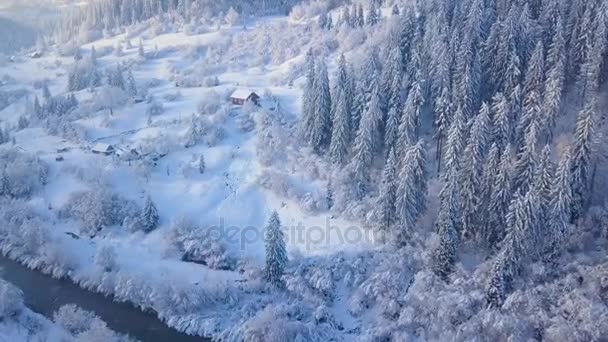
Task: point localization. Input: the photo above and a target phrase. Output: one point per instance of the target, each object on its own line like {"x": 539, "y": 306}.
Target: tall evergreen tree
{"x": 341, "y": 126}
{"x": 581, "y": 161}
{"x": 321, "y": 124}
{"x": 555, "y": 79}
{"x": 409, "y": 128}
{"x": 308, "y": 115}
{"x": 149, "y": 216}
{"x": 412, "y": 190}
{"x": 533, "y": 88}
{"x": 499, "y": 200}
{"x": 276, "y": 252}
{"x": 559, "y": 209}
{"x": 526, "y": 160}
{"x": 448, "y": 221}
{"x": 471, "y": 172}
{"x": 387, "y": 195}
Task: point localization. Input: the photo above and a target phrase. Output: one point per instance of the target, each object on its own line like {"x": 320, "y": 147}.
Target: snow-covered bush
{"x": 11, "y": 300}
{"x": 21, "y": 174}
{"x": 155, "y": 108}
{"x": 85, "y": 326}
{"x": 106, "y": 258}
{"x": 200, "y": 245}
{"x": 172, "y": 97}
{"x": 216, "y": 135}
{"x": 97, "y": 209}
{"x": 209, "y": 102}
{"x": 108, "y": 98}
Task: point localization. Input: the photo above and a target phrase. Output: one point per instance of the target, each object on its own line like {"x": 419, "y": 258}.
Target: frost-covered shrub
{"x": 21, "y": 174}
{"x": 200, "y": 245}
{"x": 155, "y": 108}
{"x": 108, "y": 98}
{"x": 211, "y": 81}
{"x": 216, "y": 135}
{"x": 11, "y": 300}
{"x": 245, "y": 123}
{"x": 73, "y": 319}
{"x": 97, "y": 209}
{"x": 209, "y": 102}
{"x": 106, "y": 258}
{"x": 172, "y": 97}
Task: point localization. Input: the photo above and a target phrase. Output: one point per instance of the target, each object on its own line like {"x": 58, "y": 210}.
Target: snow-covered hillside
{"x": 416, "y": 193}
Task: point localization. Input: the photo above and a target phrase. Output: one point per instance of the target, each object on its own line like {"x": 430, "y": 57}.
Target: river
{"x": 44, "y": 294}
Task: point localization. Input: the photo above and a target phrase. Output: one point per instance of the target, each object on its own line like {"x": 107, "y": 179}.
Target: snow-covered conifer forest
{"x": 311, "y": 170}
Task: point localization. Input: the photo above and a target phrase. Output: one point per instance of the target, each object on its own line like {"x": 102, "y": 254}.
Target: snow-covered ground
{"x": 231, "y": 198}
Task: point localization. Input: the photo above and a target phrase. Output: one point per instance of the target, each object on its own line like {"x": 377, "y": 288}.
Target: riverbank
{"x": 45, "y": 295}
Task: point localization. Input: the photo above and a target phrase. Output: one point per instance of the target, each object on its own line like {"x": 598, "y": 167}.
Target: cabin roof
{"x": 101, "y": 147}
{"x": 242, "y": 94}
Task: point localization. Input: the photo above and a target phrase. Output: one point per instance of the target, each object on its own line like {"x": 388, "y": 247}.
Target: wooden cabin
{"x": 240, "y": 96}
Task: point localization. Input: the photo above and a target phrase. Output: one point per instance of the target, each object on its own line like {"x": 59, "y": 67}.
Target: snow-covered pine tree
{"x": 140, "y": 49}
{"x": 130, "y": 85}
{"x": 455, "y": 143}
{"x": 387, "y": 194}
{"x": 360, "y": 17}
{"x": 554, "y": 82}
{"x": 500, "y": 279}
{"x": 341, "y": 127}
{"x": 543, "y": 177}
{"x": 366, "y": 144}
{"x": 471, "y": 172}
{"x": 321, "y": 124}
{"x": 533, "y": 90}
{"x": 392, "y": 74}
{"x": 559, "y": 210}
{"x": 500, "y": 199}
{"x": 149, "y": 216}
{"x": 526, "y": 160}
{"x": 448, "y": 222}
{"x": 115, "y": 78}
{"x": 411, "y": 191}
{"x": 201, "y": 164}
{"x": 582, "y": 151}
{"x": 502, "y": 128}
{"x": 409, "y": 128}
{"x": 276, "y": 252}
{"x": 308, "y": 115}
{"x": 372, "y": 15}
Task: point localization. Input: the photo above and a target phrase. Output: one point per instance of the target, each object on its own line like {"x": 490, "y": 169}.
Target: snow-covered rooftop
{"x": 101, "y": 147}
{"x": 242, "y": 94}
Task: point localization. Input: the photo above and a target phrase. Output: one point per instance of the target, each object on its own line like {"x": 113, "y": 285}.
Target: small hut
{"x": 240, "y": 96}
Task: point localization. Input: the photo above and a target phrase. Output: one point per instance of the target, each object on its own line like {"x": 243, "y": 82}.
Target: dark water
{"x": 44, "y": 294}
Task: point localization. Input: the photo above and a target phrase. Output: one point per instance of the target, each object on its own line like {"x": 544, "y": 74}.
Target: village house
{"x": 101, "y": 148}
{"x": 240, "y": 96}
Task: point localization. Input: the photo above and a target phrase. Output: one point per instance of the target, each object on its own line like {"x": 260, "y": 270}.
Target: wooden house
{"x": 240, "y": 96}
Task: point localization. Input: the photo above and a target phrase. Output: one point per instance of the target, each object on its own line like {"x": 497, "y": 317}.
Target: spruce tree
{"x": 321, "y": 124}
{"x": 372, "y": 15}
{"x": 149, "y": 216}
{"x": 448, "y": 221}
{"x": 533, "y": 88}
{"x": 276, "y": 252}
{"x": 526, "y": 161}
{"x": 411, "y": 191}
{"x": 500, "y": 197}
{"x": 543, "y": 177}
{"x": 409, "y": 128}
{"x": 559, "y": 210}
{"x": 201, "y": 164}
{"x": 387, "y": 194}
{"x": 555, "y": 80}
{"x": 341, "y": 126}
{"x": 308, "y": 115}
{"x": 581, "y": 161}
{"x": 471, "y": 172}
